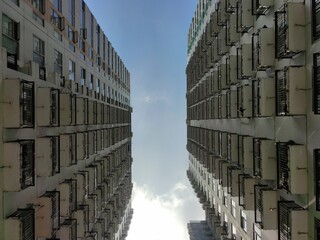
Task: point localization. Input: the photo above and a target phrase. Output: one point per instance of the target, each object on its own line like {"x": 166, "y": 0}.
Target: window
{"x": 40, "y": 5}
{"x": 316, "y": 155}
{"x": 55, "y": 154}
{"x": 256, "y": 233}
{"x": 315, "y": 19}
{"x": 27, "y": 104}
{"x": 71, "y": 12}
{"x": 26, "y": 217}
{"x": 38, "y": 51}
{"x": 10, "y": 41}
{"x": 82, "y": 76}
{"x": 57, "y": 4}
{"x": 27, "y": 164}
{"x": 72, "y": 35}
{"x": 283, "y": 168}
{"x": 243, "y": 221}
{"x": 316, "y": 228}
{"x": 233, "y": 209}
{"x": 58, "y": 62}
{"x": 97, "y": 85}
{"x": 54, "y": 118}
{"x": 316, "y": 83}
{"x": 73, "y": 149}
{"x": 56, "y": 20}
{"x": 72, "y": 70}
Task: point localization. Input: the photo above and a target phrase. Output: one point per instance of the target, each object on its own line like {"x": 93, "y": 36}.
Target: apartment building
{"x": 65, "y": 122}
{"x": 199, "y": 230}
{"x": 253, "y": 117}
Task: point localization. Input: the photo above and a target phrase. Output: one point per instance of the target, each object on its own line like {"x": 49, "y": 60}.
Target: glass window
{"x": 57, "y": 4}
{"x": 72, "y": 70}
{"x": 39, "y": 4}
{"x": 58, "y": 62}
{"x": 10, "y": 35}
{"x": 71, "y": 12}
{"x": 38, "y": 51}
{"x": 315, "y": 19}
{"x": 243, "y": 221}
{"x": 97, "y": 85}
{"x": 82, "y": 76}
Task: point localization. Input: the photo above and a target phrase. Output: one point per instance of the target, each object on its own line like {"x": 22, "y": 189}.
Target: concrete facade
{"x": 65, "y": 122}
{"x": 253, "y": 117}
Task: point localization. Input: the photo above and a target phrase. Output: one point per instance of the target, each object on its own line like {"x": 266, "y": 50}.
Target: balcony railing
{"x": 261, "y": 7}
{"x": 27, "y": 164}
{"x": 27, "y": 219}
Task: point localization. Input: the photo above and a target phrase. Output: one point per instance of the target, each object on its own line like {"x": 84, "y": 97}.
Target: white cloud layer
{"x": 158, "y": 217}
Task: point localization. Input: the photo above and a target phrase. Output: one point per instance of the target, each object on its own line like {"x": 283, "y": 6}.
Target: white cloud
{"x": 147, "y": 99}
{"x": 158, "y": 217}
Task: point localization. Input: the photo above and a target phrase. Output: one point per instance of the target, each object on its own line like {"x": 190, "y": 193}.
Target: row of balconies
{"x": 23, "y": 104}
{"x": 25, "y": 160}
{"x": 271, "y": 212}
{"x": 265, "y": 97}
{"x": 227, "y": 155}
{"x": 267, "y": 45}
{"x": 83, "y": 206}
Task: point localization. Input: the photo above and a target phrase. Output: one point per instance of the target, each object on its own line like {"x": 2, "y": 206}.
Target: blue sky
{"x": 151, "y": 38}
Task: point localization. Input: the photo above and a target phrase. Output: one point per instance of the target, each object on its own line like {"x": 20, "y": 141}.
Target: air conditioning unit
{"x": 233, "y": 104}
{"x": 245, "y": 18}
{"x": 264, "y": 159}
{"x": 263, "y": 91}
{"x": 47, "y": 214}
{"x": 266, "y": 205}
{"x": 290, "y": 24}
{"x": 293, "y": 221}
{"x": 19, "y": 165}
{"x": 290, "y": 91}
{"x": 82, "y": 217}
{"x": 82, "y": 186}
{"x": 263, "y": 47}
{"x": 68, "y": 229}
{"x": 20, "y": 225}
{"x": 261, "y": 7}
{"x": 292, "y": 168}
{"x": 233, "y": 36}
{"x": 17, "y": 103}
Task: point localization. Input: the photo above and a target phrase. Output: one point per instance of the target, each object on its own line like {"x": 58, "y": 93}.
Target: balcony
{"x": 222, "y": 47}
{"x": 82, "y": 186}
{"x": 67, "y": 109}
{"x": 290, "y": 25}
{"x": 19, "y": 164}
{"x": 232, "y": 35}
{"x": 263, "y": 91}
{"x": 265, "y": 201}
{"x": 18, "y": 103}
{"x": 290, "y": 91}
{"x": 48, "y": 156}
{"x": 47, "y": 214}
{"x": 244, "y": 19}
{"x": 261, "y": 7}
{"x": 20, "y": 225}
{"x": 292, "y": 167}
{"x": 68, "y": 150}
{"x": 233, "y": 180}
{"x": 292, "y": 221}
{"x": 264, "y": 159}
{"x": 47, "y": 107}
{"x": 244, "y": 101}
{"x": 231, "y": 63}
{"x": 222, "y": 15}
{"x": 223, "y": 77}
{"x": 248, "y": 154}
{"x": 68, "y": 229}
{"x": 263, "y": 49}
{"x": 246, "y": 191}
{"x": 82, "y": 217}
{"x": 68, "y": 197}
{"x": 244, "y": 61}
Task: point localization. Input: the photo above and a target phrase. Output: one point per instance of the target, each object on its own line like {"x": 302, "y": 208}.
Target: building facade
{"x": 199, "y": 230}
{"x": 253, "y": 117}
{"x": 65, "y": 122}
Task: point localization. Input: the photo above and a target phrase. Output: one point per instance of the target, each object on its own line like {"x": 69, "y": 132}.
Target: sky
{"x": 150, "y": 36}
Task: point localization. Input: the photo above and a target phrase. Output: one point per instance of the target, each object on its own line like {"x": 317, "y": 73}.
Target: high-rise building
{"x": 253, "y": 118}
{"x": 65, "y": 125}
{"x": 199, "y": 230}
